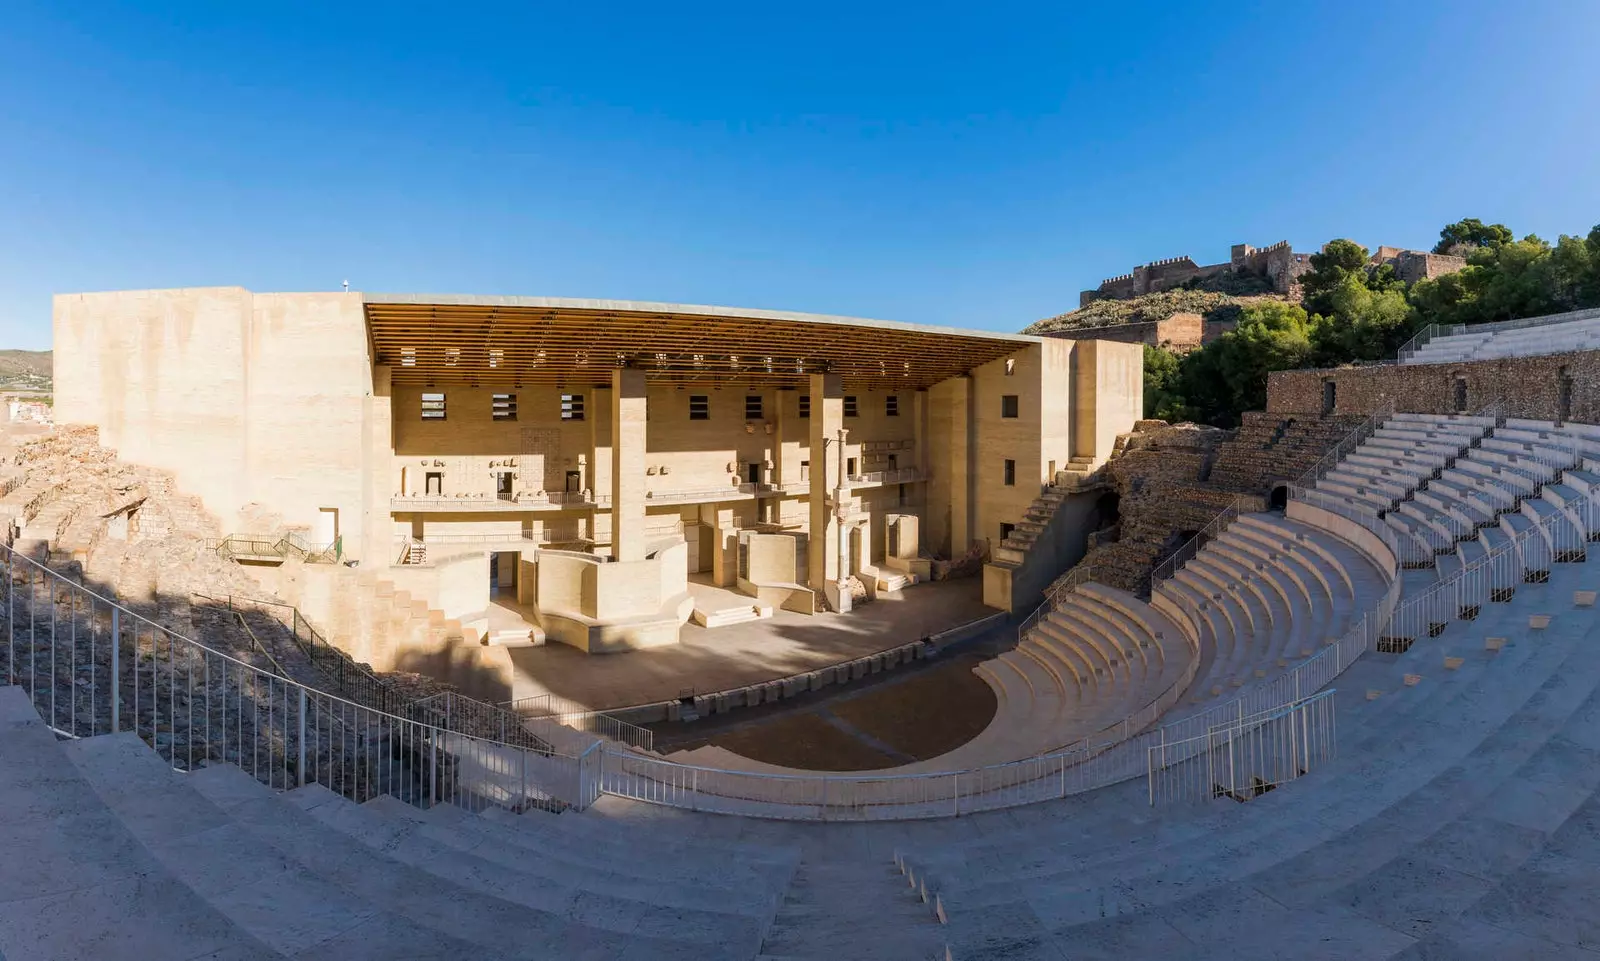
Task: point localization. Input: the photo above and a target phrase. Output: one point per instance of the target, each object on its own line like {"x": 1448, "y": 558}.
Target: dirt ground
{"x": 919, "y": 715}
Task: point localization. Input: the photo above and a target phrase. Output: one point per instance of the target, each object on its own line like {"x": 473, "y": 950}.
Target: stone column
{"x": 628, "y": 437}
{"x": 598, "y": 478}
{"x": 827, "y": 420}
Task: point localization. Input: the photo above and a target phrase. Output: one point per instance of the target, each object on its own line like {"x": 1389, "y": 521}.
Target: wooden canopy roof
{"x": 515, "y": 341}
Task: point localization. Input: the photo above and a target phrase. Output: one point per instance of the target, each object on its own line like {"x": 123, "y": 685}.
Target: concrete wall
{"x": 1531, "y": 386}
{"x": 1108, "y": 395}
{"x": 248, "y": 398}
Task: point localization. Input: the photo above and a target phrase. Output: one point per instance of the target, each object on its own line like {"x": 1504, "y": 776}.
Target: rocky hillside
{"x": 1212, "y": 305}
{"x": 26, "y": 369}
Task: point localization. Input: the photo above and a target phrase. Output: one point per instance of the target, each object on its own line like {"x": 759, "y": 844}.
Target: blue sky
{"x": 967, "y": 164}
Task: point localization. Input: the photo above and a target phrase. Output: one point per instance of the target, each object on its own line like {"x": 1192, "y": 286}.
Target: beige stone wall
{"x": 248, "y": 398}
{"x": 1001, "y": 438}
{"x": 1109, "y": 395}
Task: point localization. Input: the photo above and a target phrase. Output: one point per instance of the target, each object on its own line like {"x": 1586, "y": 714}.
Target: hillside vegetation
{"x": 1353, "y": 313}
{"x": 30, "y": 369}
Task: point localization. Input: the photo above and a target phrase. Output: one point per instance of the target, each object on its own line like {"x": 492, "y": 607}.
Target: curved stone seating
{"x": 1559, "y": 333}
{"x": 1271, "y": 591}
{"x": 1436, "y": 834}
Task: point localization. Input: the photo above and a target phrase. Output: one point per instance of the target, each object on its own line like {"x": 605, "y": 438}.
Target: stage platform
{"x": 736, "y": 655}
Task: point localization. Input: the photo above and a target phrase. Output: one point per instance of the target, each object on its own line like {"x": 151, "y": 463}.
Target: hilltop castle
{"x": 1277, "y": 263}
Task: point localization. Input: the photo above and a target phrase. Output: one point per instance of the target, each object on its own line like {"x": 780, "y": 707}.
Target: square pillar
{"x": 822, "y": 554}
{"x": 628, "y": 438}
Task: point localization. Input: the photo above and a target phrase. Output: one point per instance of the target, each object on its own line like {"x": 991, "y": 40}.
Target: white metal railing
{"x": 1107, "y": 758}
{"x": 1169, "y": 567}
{"x": 1054, "y": 596}
{"x": 554, "y": 708}
{"x": 92, "y": 666}
{"x": 1245, "y": 759}
{"x": 1350, "y": 442}
{"x": 1432, "y": 332}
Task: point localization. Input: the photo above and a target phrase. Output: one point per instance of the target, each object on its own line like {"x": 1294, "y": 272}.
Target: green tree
{"x": 1230, "y": 375}
{"x": 1470, "y": 233}
{"x": 1337, "y": 260}
{"x": 1163, "y": 398}
{"x": 1362, "y": 323}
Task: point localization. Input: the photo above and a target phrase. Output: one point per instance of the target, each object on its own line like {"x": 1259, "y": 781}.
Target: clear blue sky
{"x": 972, "y": 164}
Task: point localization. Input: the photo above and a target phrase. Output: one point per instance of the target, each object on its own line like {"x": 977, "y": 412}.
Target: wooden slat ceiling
{"x": 498, "y": 345}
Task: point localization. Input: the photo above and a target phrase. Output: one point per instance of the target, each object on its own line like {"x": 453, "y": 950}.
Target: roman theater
{"x": 354, "y": 625}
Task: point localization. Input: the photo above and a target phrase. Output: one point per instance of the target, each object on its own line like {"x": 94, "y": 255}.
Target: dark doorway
{"x": 1006, "y": 529}
{"x": 435, "y": 483}
{"x": 1461, "y": 395}
{"x": 1330, "y": 396}
{"x": 752, "y": 473}
{"x": 1279, "y": 499}
{"x": 574, "y": 481}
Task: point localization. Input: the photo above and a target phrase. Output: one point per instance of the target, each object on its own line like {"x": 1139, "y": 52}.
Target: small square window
{"x": 850, "y": 409}
{"x": 891, "y": 405}
{"x": 572, "y": 407}
{"x": 504, "y": 407}
{"x": 805, "y": 405}
{"x": 1006, "y": 529}
{"x": 433, "y": 407}
{"x": 699, "y": 407}
{"x": 1011, "y": 473}
{"x": 752, "y": 407}
{"x": 1008, "y": 405}
{"x": 850, "y": 466}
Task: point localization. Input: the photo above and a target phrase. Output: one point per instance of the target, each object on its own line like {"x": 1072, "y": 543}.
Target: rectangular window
{"x": 891, "y": 405}
{"x": 805, "y": 405}
{"x": 850, "y": 409}
{"x": 850, "y": 467}
{"x": 752, "y": 407}
{"x": 1011, "y": 473}
{"x": 699, "y": 407}
{"x": 504, "y": 407}
{"x": 1006, "y": 529}
{"x": 1008, "y": 405}
{"x": 805, "y": 470}
{"x": 433, "y": 407}
{"x": 572, "y": 407}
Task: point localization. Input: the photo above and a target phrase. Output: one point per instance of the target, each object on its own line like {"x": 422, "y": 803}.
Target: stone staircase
{"x": 1013, "y": 551}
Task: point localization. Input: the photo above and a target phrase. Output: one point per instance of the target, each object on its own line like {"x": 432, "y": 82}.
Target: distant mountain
{"x": 26, "y": 368}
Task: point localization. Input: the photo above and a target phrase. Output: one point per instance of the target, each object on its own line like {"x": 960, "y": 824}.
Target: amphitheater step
{"x": 837, "y": 909}
{"x": 80, "y": 885}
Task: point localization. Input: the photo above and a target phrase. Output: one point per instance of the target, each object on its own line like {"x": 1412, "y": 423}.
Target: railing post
{"x": 116, "y": 664}
{"x": 300, "y": 759}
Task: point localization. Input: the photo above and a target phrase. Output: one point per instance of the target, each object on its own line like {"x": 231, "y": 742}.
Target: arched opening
{"x": 1279, "y": 498}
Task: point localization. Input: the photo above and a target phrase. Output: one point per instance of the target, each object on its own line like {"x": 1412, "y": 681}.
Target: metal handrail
{"x": 92, "y": 666}
{"x": 1348, "y": 443}
{"x": 1174, "y": 563}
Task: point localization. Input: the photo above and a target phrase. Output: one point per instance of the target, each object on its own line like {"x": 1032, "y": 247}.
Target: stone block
{"x": 752, "y": 695}
{"x": 1493, "y": 643}
{"x": 1453, "y": 663}
{"x": 1538, "y": 622}
{"x": 1373, "y": 694}
{"x": 1583, "y": 598}
{"x": 1412, "y": 680}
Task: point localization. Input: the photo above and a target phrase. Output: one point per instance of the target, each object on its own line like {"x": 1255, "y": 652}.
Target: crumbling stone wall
{"x": 1551, "y": 387}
